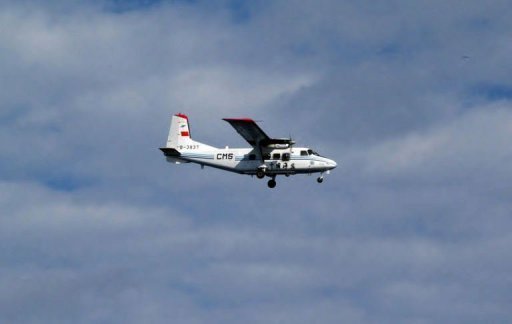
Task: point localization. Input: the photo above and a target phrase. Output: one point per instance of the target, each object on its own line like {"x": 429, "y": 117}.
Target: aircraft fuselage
{"x": 247, "y": 160}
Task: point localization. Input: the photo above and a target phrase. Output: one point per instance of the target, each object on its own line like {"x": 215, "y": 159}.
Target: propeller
{"x": 292, "y": 142}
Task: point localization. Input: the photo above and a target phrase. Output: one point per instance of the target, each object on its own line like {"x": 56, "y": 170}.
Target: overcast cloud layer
{"x": 413, "y": 99}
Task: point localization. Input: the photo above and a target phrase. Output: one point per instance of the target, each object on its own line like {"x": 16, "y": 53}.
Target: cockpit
{"x": 308, "y": 152}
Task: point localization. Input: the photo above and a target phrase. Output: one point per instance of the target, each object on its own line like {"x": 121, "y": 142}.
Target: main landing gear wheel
{"x": 271, "y": 183}
{"x": 320, "y": 180}
{"x": 260, "y": 174}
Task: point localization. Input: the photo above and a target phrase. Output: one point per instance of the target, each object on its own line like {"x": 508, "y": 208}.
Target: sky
{"x": 413, "y": 99}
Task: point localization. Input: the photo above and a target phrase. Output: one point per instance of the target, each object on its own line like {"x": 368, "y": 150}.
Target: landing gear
{"x": 320, "y": 179}
{"x": 260, "y": 174}
{"x": 271, "y": 183}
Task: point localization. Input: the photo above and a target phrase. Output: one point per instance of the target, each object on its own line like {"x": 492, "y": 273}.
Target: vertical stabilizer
{"x": 179, "y": 133}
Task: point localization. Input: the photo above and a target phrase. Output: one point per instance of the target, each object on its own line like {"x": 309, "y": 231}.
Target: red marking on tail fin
{"x": 184, "y": 134}
{"x": 182, "y": 116}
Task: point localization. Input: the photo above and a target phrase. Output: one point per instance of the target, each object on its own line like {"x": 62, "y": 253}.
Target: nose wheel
{"x": 271, "y": 183}
{"x": 320, "y": 179}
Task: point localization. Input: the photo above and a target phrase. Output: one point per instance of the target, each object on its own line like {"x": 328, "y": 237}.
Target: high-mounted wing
{"x": 249, "y": 130}
{"x": 253, "y": 134}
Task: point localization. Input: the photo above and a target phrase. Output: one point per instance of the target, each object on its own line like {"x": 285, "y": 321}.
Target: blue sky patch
{"x": 493, "y": 92}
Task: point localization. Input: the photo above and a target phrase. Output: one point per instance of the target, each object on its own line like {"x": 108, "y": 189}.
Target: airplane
{"x": 267, "y": 157}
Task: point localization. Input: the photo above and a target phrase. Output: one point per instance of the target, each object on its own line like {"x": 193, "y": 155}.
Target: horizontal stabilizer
{"x": 170, "y": 152}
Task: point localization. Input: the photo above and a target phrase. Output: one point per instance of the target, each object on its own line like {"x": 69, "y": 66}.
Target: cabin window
{"x": 303, "y": 153}
{"x": 276, "y": 156}
{"x": 252, "y": 157}
{"x": 266, "y": 156}
{"x": 286, "y": 156}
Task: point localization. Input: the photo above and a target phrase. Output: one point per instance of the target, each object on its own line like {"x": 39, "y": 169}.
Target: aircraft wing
{"x": 253, "y": 134}
{"x": 249, "y": 130}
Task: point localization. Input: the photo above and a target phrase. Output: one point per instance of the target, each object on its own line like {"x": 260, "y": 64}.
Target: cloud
{"x": 475, "y": 143}
{"x": 96, "y": 227}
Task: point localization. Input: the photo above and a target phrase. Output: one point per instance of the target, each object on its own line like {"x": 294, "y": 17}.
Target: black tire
{"x": 260, "y": 174}
{"x": 271, "y": 183}
{"x": 320, "y": 180}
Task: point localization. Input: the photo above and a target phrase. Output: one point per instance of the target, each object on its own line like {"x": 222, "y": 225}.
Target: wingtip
{"x": 244, "y": 119}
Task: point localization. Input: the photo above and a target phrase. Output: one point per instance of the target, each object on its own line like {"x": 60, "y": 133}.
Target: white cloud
{"x": 420, "y": 198}
{"x": 231, "y": 88}
{"x": 474, "y": 144}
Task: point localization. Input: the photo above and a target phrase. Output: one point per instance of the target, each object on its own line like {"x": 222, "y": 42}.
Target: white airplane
{"x": 267, "y": 157}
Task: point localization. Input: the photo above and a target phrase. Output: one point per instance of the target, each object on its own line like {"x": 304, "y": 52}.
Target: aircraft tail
{"x": 179, "y": 135}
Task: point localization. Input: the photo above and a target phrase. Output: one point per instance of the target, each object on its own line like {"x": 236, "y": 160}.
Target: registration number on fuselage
{"x": 188, "y": 147}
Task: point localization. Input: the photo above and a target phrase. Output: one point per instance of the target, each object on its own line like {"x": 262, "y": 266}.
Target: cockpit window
{"x": 304, "y": 153}
{"x": 311, "y": 152}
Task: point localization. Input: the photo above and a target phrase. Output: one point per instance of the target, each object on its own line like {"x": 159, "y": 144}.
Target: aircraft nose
{"x": 333, "y": 164}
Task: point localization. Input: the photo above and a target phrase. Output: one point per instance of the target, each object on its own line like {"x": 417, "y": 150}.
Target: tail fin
{"x": 179, "y": 134}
